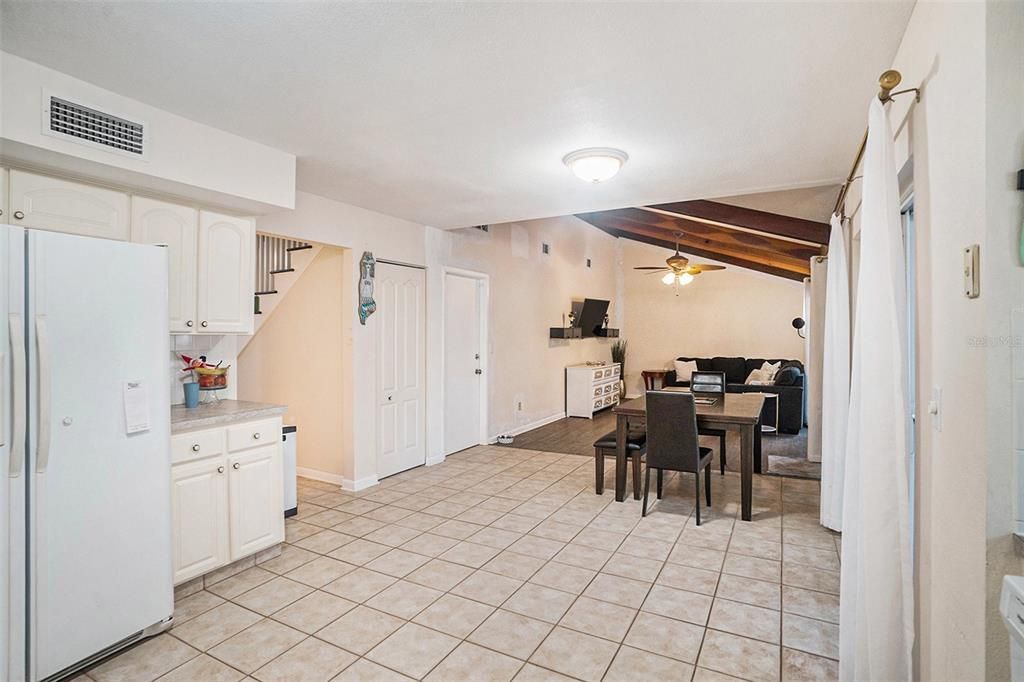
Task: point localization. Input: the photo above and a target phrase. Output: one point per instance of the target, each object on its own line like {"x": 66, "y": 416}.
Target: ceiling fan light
{"x": 595, "y": 164}
{"x": 685, "y": 278}
{"x": 669, "y": 278}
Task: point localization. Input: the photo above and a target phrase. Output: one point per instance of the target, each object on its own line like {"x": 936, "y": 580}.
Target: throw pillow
{"x": 684, "y": 369}
{"x": 758, "y": 377}
{"x": 770, "y": 370}
{"x": 787, "y": 376}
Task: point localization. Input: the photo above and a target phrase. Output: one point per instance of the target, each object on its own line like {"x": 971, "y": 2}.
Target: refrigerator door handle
{"x": 17, "y": 340}
{"x": 43, "y": 348}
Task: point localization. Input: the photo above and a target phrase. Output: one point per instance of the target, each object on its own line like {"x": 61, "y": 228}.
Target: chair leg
{"x": 599, "y": 470}
{"x": 636, "y": 475}
{"x": 707, "y": 483}
{"x": 660, "y": 480}
{"x": 647, "y": 485}
{"x": 721, "y": 450}
{"x": 697, "y": 498}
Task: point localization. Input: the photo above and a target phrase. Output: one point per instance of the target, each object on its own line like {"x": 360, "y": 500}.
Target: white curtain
{"x": 876, "y": 589}
{"x": 835, "y": 394}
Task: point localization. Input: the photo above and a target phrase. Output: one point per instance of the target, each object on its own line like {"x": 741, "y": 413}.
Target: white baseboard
{"x": 318, "y": 475}
{"x": 529, "y": 427}
{"x": 361, "y": 484}
{"x": 431, "y": 461}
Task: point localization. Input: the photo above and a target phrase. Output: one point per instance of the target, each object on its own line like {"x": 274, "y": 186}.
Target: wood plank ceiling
{"x": 767, "y": 242}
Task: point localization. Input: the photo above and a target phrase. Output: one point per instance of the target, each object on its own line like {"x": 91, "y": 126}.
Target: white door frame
{"x": 483, "y": 281}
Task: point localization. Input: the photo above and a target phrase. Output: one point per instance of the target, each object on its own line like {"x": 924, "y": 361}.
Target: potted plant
{"x": 619, "y": 356}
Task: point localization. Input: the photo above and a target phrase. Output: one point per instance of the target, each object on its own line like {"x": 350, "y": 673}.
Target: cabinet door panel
{"x": 255, "y": 500}
{"x": 225, "y": 282}
{"x": 65, "y": 206}
{"x": 5, "y": 214}
{"x": 199, "y": 502}
{"x": 158, "y": 222}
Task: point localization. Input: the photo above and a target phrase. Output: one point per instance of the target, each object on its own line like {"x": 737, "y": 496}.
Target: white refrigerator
{"x": 85, "y": 454}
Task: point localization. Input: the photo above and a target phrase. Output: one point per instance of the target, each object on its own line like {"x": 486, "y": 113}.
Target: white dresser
{"x": 591, "y": 388}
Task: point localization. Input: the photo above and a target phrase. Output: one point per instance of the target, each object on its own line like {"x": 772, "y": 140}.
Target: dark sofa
{"x": 789, "y": 385}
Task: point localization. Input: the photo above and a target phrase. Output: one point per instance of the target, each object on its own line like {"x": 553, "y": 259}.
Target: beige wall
{"x": 732, "y": 312}
{"x": 334, "y": 223}
{"x": 529, "y": 292}
{"x": 297, "y": 359}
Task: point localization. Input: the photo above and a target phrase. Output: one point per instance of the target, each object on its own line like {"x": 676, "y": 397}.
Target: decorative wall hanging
{"x": 367, "y": 265}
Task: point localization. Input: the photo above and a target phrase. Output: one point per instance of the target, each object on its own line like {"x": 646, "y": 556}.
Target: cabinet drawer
{"x": 253, "y": 434}
{"x": 186, "y": 447}
{"x": 598, "y": 374}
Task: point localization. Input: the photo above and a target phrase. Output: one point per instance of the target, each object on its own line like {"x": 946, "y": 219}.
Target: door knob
{"x": 19, "y": 214}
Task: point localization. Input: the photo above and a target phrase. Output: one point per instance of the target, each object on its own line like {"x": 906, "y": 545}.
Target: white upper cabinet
{"x": 48, "y": 203}
{"x": 177, "y": 227}
{"x": 5, "y": 214}
{"x": 225, "y": 276}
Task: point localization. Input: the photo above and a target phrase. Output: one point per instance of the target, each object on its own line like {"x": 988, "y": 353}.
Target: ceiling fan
{"x": 679, "y": 270}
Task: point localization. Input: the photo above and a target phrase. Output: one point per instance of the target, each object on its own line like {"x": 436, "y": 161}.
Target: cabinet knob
{"x": 195, "y": 447}
{"x": 256, "y": 436}
{"x": 19, "y": 214}
{"x": 204, "y": 323}
{"x": 189, "y": 323}
{"x": 235, "y": 465}
{"x": 220, "y": 470}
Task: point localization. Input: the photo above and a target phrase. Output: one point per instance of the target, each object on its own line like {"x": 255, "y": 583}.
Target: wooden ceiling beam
{"x": 730, "y": 260}
{"x": 750, "y": 219}
{"x": 707, "y": 241}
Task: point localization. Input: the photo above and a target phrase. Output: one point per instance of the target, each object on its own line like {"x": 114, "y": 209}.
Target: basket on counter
{"x": 212, "y": 378}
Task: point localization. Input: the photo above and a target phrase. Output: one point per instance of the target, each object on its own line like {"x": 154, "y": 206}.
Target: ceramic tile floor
{"x": 503, "y": 564}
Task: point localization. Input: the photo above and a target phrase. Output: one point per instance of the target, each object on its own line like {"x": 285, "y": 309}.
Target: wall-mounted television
{"x": 591, "y": 316}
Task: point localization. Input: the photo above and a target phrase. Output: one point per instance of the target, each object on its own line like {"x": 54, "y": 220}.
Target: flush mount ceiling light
{"x": 595, "y": 163}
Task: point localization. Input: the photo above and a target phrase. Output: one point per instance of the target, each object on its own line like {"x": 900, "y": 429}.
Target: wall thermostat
{"x": 972, "y": 272}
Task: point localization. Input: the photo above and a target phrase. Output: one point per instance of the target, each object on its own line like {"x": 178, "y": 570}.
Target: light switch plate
{"x": 972, "y": 272}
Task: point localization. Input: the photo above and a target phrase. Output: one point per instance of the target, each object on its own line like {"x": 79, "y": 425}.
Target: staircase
{"x": 279, "y": 264}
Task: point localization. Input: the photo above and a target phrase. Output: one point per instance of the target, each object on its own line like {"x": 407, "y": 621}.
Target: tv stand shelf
{"x": 577, "y": 333}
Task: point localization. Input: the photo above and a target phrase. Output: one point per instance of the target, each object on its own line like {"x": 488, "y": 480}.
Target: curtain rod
{"x": 886, "y": 82}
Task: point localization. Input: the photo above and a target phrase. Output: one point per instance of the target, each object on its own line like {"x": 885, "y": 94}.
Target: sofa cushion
{"x": 734, "y": 368}
{"x": 788, "y": 376}
{"x": 684, "y": 368}
{"x": 703, "y": 364}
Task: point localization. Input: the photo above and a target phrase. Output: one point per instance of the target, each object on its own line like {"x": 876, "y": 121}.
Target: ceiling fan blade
{"x": 704, "y": 267}
{"x": 651, "y": 267}
{"x": 657, "y": 272}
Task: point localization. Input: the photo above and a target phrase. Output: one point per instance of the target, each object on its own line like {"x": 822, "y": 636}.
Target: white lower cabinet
{"x": 199, "y": 498}
{"x": 227, "y": 496}
{"x": 255, "y": 499}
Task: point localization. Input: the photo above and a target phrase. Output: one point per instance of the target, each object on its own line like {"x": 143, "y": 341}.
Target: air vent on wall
{"x": 95, "y": 127}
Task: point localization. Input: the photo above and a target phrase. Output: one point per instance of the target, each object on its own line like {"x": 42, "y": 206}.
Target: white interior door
{"x": 463, "y": 366}
{"x": 12, "y": 455}
{"x": 100, "y": 526}
{"x": 400, "y": 293}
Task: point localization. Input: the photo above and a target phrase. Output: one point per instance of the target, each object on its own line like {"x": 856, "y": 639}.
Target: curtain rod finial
{"x": 887, "y": 82}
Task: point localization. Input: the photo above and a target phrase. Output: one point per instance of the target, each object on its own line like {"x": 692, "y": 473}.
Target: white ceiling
{"x": 459, "y": 114}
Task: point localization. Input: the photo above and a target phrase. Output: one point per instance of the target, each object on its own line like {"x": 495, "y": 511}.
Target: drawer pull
{"x": 235, "y": 466}
{"x": 256, "y": 436}
{"x": 220, "y": 470}
{"x": 19, "y": 214}
{"x": 195, "y": 447}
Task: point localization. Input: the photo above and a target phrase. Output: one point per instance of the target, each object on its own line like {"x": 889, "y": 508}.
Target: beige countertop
{"x": 219, "y": 413}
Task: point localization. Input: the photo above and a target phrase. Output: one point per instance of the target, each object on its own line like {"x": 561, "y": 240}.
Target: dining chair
{"x": 672, "y": 442}
{"x": 636, "y": 445}
{"x": 714, "y": 383}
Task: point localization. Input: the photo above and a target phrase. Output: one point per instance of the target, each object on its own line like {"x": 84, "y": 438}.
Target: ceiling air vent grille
{"x": 89, "y": 125}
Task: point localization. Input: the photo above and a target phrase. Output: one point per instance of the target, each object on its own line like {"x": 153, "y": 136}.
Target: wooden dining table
{"x": 731, "y": 411}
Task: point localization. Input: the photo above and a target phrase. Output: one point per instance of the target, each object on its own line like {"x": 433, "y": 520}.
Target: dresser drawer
{"x": 253, "y": 434}
{"x": 186, "y": 447}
